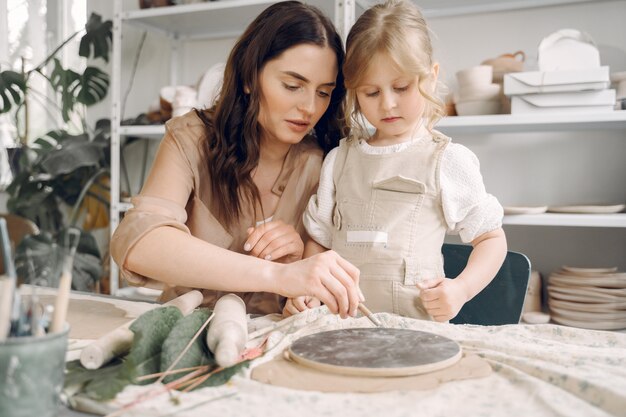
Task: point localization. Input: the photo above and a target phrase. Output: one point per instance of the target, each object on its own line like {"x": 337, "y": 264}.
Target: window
{"x": 23, "y": 45}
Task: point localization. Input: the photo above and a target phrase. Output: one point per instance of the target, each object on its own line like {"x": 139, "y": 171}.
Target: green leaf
{"x": 12, "y": 90}
{"x": 222, "y": 377}
{"x": 198, "y": 353}
{"x": 151, "y": 329}
{"x": 92, "y": 87}
{"x": 71, "y": 156}
{"x": 64, "y": 82}
{"x": 100, "y": 384}
{"x": 98, "y": 38}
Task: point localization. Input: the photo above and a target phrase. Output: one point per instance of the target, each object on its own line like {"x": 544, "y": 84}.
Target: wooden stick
{"x": 6, "y": 302}
{"x": 9, "y": 306}
{"x": 367, "y": 313}
{"x": 65, "y": 283}
{"x": 118, "y": 341}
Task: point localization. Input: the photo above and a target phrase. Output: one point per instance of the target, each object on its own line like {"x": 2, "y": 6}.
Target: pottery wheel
{"x": 375, "y": 352}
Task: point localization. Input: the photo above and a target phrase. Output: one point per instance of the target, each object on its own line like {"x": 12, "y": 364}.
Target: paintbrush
{"x": 367, "y": 313}
{"x": 65, "y": 283}
{"x": 9, "y": 306}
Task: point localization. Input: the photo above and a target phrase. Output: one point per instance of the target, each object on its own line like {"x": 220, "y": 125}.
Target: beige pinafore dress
{"x": 388, "y": 221}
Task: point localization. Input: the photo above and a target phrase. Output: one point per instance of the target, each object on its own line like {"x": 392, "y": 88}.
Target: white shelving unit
{"x": 227, "y": 19}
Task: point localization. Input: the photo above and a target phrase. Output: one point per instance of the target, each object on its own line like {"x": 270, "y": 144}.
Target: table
{"x": 538, "y": 370}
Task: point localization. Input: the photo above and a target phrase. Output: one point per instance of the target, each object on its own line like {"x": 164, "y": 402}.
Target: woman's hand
{"x": 275, "y": 241}
{"x": 325, "y": 276}
{"x": 443, "y": 298}
{"x": 299, "y": 304}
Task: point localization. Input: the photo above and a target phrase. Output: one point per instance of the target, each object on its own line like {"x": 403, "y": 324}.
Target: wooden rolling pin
{"x": 228, "y": 330}
{"x": 117, "y": 342}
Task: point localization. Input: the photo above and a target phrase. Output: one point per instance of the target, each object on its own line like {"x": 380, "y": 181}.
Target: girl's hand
{"x": 325, "y": 276}
{"x": 275, "y": 241}
{"x": 299, "y": 304}
{"x": 442, "y": 297}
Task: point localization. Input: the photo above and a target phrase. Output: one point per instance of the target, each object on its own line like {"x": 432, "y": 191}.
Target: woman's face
{"x": 295, "y": 90}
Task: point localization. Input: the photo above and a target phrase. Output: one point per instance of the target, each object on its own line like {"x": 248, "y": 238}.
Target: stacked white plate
{"x": 591, "y": 298}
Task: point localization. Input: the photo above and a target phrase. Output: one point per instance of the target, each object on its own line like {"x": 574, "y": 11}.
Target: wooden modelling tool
{"x": 375, "y": 352}
{"x": 367, "y": 313}
{"x": 65, "y": 283}
{"x": 228, "y": 332}
{"x": 117, "y": 342}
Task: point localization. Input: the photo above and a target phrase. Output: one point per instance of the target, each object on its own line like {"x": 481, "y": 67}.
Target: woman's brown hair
{"x": 233, "y": 132}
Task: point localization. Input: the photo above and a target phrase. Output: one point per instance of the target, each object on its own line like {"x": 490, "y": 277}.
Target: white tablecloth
{"x": 538, "y": 370}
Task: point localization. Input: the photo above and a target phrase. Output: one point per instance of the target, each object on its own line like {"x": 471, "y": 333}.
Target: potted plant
{"x": 61, "y": 176}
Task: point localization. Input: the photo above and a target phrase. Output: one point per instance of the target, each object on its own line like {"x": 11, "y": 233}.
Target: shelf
{"x": 207, "y": 20}
{"x": 144, "y": 131}
{"x": 497, "y": 123}
{"x": 509, "y": 123}
{"x": 124, "y": 206}
{"x": 439, "y": 8}
{"x": 577, "y": 220}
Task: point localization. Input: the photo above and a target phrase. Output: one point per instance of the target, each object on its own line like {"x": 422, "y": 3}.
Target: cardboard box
{"x": 556, "y": 81}
{"x": 572, "y": 102}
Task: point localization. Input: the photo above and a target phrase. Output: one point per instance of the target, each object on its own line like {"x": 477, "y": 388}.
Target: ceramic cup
{"x": 479, "y": 75}
{"x": 31, "y": 374}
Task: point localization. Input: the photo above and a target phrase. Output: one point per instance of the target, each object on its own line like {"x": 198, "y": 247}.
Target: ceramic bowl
{"x": 479, "y": 92}
{"x": 506, "y": 63}
{"x": 479, "y": 75}
{"x": 478, "y": 107}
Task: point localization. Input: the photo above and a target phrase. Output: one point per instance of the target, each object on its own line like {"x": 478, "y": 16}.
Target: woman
{"x": 234, "y": 181}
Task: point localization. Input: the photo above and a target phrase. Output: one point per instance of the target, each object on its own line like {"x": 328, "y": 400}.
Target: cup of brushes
{"x": 32, "y": 355}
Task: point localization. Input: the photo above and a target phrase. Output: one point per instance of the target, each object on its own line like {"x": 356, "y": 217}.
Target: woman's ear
{"x": 246, "y": 90}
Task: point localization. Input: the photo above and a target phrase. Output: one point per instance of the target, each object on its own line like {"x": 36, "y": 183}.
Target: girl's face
{"x": 391, "y": 101}
{"x": 295, "y": 91}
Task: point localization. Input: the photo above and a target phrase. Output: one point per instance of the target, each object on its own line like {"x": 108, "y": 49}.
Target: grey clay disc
{"x": 375, "y": 352}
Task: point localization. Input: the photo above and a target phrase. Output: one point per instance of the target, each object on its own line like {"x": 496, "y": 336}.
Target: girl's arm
{"x": 443, "y": 297}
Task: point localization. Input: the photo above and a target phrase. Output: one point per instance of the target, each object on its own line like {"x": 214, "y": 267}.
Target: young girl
{"x": 386, "y": 199}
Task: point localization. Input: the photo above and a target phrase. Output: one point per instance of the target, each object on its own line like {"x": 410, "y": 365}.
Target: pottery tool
{"x": 375, "y": 352}
{"x": 65, "y": 283}
{"x": 228, "y": 333}
{"x": 6, "y": 302}
{"x": 9, "y": 306}
{"x": 367, "y": 313}
{"x": 118, "y": 341}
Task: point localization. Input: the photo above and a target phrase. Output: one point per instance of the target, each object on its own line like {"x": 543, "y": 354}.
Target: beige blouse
{"x": 180, "y": 161}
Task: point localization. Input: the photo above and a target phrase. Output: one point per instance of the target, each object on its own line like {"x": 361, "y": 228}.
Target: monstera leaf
{"x": 98, "y": 38}
{"x": 92, "y": 87}
{"x": 12, "y": 90}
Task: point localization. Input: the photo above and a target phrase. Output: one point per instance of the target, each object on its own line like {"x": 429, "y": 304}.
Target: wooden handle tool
{"x": 117, "y": 342}
{"x": 367, "y": 313}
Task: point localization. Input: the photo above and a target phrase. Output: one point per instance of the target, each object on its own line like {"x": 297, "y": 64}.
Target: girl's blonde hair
{"x": 398, "y": 29}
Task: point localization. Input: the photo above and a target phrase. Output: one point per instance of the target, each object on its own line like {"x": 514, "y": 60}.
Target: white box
{"x": 572, "y": 102}
{"x": 556, "y": 81}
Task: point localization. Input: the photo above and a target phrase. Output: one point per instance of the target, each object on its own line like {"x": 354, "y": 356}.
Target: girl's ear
{"x": 435, "y": 71}
{"x": 246, "y": 90}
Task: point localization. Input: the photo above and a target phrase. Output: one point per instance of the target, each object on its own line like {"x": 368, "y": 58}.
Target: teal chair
{"x": 502, "y": 300}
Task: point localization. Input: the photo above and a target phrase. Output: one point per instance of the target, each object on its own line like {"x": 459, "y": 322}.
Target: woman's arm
{"x": 153, "y": 241}
{"x": 177, "y": 258}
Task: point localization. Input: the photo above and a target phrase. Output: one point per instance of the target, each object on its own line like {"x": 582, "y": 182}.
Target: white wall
{"x": 522, "y": 168}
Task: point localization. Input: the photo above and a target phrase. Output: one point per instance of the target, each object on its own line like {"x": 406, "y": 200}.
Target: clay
{"x": 375, "y": 352}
